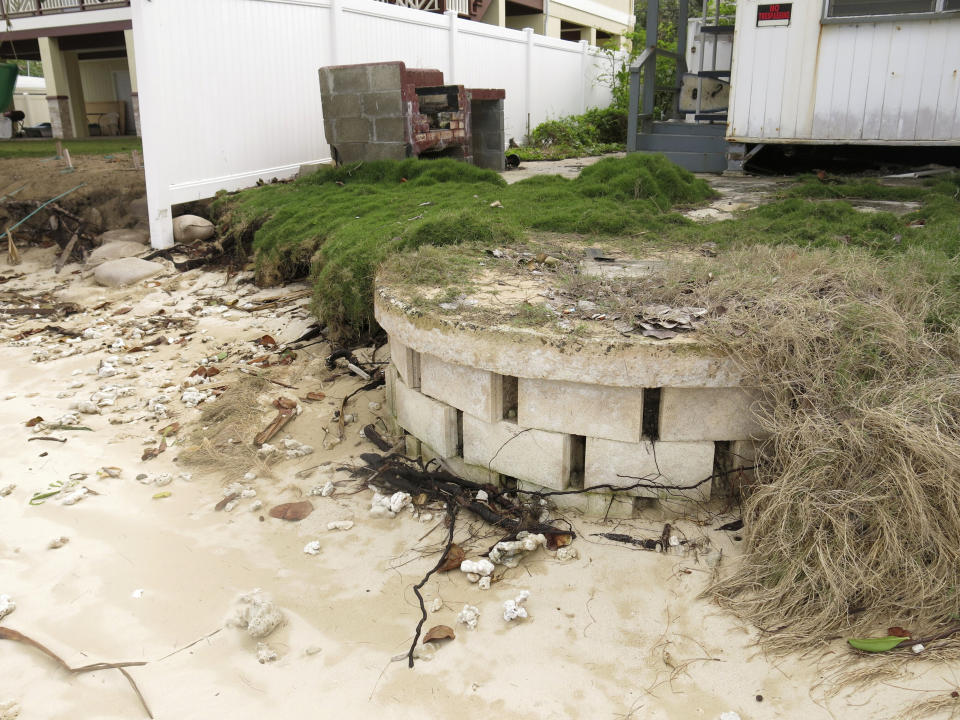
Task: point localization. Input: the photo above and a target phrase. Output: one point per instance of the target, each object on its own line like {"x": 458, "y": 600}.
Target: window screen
{"x": 854, "y": 8}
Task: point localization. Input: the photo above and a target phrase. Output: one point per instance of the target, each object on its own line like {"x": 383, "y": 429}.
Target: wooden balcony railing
{"x": 26, "y": 8}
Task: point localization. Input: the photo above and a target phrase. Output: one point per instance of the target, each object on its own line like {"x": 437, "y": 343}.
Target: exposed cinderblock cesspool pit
{"x": 501, "y": 405}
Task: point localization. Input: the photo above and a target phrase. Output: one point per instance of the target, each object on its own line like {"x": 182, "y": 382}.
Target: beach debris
{"x": 7, "y": 633}
{"x": 227, "y": 499}
{"x": 256, "y": 614}
{"x": 162, "y": 495}
{"x": 7, "y": 489}
{"x": 109, "y": 471}
{"x": 137, "y": 594}
{"x": 286, "y": 411}
{"x": 312, "y": 547}
{"x": 436, "y": 605}
{"x": 918, "y": 648}
{"x": 876, "y": 645}
{"x": 469, "y": 616}
{"x": 565, "y": 554}
{"x": 477, "y": 568}
{"x": 58, "y": 542}
{"x": 292, "y": 512}
{"x": 265, "y": 653}
{"x": 484, "y": 583}
{"x": 315, "y": 396}
{"x": 295, "y": 448}
{"x": 508, "y": 552}
{"x": 389, "y": 505}
{"x": 513, "y": 609}
{"x": 312, "y": 650}
{"x": 439, "y": 632}
{"x": 7, "y": 606}
{"x": 376, "y": 438}
{"x": 340, "y": 525}
{"x": 325, "y": 490}
{"x": 33, "y": 421}
{"x": 729, "y": 715}
{"x": 452, "y": 559}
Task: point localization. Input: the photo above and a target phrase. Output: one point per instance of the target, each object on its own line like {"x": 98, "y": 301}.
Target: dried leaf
{"x": 292, "y": 511}
{"x": 452, "y": 559}
{"x": 261, "y": 360}
{"x": 439, "y": 632}
{"x": 33, "y": 421}
{"x": 170, "y": 429}
{"x": 162, "y": 495}
{"x": 151, "y": 453}
{"x": 266, "y": 341}
{"x": 897, "y": 631}
{"x": 315, "y": 396}
{"x": 223, "y": 503}
{"x": 206, "y": 371}
{"x": 556, "y": 540}
{"x": 285, "y": 403}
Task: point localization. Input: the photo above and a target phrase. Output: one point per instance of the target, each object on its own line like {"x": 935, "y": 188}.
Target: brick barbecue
{"x": 386, "y": 111}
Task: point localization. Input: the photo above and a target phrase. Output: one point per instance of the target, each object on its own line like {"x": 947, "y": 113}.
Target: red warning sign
{"x": 774, "y": 15}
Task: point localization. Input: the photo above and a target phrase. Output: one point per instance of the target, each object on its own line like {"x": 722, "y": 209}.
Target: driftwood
{"x": 7, "y": 633}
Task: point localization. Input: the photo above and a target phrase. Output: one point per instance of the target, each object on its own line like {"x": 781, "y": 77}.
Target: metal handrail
{"x": 29, "y": 8}
{"x": 646, "y": 65}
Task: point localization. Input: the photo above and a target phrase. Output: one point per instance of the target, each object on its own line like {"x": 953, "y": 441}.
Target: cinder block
{"x": 457, "y": 465}
{"x": 349, "y": 152}
{"x": 407, "y": 363}
{"x": 353, "y": 129}
{"x": 389, "y": 129}
{"x": 383, "y": 104}
{"x": 541, "y": 457}
{"x": 578, "y": 409}
{"x": 385, "y": 151}
{"x": 326, "y": 81}
{"x": 476, "y": 392}
{"x": 744, "y": 455}
{"x": 610, "y": 506}
{"x": 707, "y": 414}
{"x": 350, "y": 80}
{"x": 564, "y": 503}
{"x": 342, "y": 105}
{"x": 674, "y": 464}
{"x": 435, "y": 423}
{"x": 384, "y": 77}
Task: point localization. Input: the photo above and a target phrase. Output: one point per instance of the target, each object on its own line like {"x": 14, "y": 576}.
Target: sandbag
{"x": 188, "y": 228}
{"x": 125, "y": 271}
{"x": 125, "y": 235}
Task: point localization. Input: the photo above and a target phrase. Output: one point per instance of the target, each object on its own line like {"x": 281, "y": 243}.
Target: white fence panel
{"x": 229, "y": 92}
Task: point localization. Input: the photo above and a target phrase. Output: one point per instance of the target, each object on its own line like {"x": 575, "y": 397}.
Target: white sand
{"x": 617, "y": 633}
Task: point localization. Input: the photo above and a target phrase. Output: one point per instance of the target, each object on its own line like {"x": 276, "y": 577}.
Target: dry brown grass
{"x": 235, "y": 416}
{"x": 853, "y": 524}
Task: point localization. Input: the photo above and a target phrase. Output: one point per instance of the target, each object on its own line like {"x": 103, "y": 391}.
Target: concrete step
{"x": 685, "y": 128}
{"x": 681, "y": 143}
{"x": 699, "y": 162}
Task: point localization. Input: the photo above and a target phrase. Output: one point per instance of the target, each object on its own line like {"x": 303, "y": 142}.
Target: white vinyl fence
{"x": 229, "y": 90}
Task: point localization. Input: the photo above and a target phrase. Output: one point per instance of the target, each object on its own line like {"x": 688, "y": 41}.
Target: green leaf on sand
{"x": 876, "y": 645}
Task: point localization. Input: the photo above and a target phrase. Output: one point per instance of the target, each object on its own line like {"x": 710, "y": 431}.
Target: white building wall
{"x": 229, "y": 91}
{"x": 863, "y": 82}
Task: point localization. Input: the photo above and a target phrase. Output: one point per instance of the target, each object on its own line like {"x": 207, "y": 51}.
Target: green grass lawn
{"x": 46, "y": 147}
{"x": 340, "y": 224}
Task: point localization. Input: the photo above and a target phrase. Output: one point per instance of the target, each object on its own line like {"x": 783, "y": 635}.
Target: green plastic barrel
{"x": 8, "y": 81}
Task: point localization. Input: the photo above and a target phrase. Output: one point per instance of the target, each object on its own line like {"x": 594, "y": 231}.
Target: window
{"x": 875, "y": 8}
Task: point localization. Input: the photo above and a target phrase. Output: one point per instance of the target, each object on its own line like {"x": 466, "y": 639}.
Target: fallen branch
{"x": 7, "y": 633}
{"x": 65, "y": 255}
{"x": 452, "y": 515}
